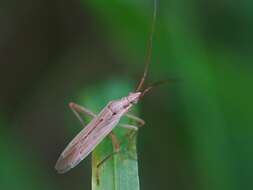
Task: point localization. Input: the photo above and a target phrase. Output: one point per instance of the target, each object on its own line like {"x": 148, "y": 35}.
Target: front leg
{"x": 79, "y": 109}
{"x": 138, "y": 120}
{"x": 127, "y": 126}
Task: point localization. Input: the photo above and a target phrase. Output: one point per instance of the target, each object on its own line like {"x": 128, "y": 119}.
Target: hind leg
{"x": 116, "y": 149}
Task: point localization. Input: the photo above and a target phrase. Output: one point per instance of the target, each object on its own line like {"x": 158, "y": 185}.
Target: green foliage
{"x": 19, "y": 170}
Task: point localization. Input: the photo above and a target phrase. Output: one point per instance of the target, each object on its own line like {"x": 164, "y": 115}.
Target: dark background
{"x": 199, "y": 128}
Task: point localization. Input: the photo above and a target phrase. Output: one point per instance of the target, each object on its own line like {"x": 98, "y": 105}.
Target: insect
{"x": 102, "y": 124}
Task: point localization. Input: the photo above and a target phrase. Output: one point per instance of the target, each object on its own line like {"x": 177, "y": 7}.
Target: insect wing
{"x": 86, "y": 141}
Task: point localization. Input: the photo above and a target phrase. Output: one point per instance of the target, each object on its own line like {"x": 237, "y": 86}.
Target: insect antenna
{"x": 155, "y": 84}
{"x": 149, "y": 50}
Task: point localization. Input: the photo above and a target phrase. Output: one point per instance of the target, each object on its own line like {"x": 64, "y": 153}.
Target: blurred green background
{"x": 198, "y": 132}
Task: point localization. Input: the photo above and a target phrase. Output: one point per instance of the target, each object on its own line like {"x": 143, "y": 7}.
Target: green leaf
{"x": 120, "y": 171}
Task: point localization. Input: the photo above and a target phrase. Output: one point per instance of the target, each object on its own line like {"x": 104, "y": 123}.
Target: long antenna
{"x": 149, "y": 49}
{"x": 155, "y": 84}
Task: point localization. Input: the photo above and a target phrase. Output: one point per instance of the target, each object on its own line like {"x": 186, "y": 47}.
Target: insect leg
{"x": 138, "y": 120}
{"x": 116, "y": 149}
{"x": 79, "y": 109}
{"x": 127, "y": 126}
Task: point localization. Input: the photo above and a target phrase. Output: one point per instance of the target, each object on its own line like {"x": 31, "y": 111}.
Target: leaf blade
{"x": 120, "y": 171}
